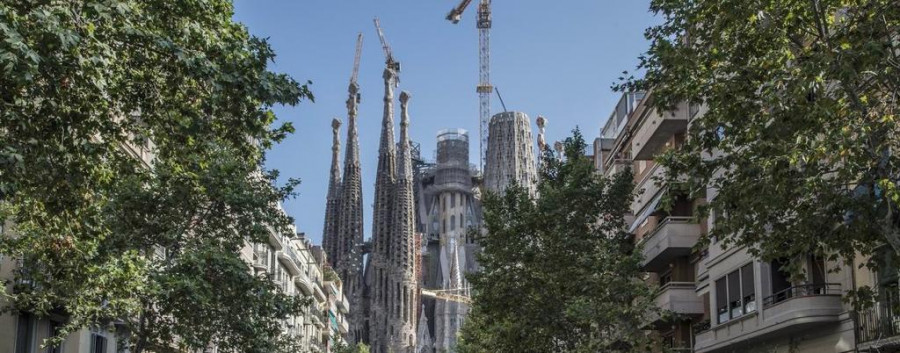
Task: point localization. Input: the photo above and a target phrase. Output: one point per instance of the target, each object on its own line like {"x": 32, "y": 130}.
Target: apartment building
{"x": 24, "y": 333}
{"x": 721, "y": 299}
{"x": 334, "y": 319}
{"x": 299, "y": 268}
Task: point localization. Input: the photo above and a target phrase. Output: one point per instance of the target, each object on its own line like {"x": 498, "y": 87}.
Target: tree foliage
{"x": 358, "y": 348}
{"x": 797, "y": 138}
{"x": 105, "y": 237}
{"x": 559, "y": 273}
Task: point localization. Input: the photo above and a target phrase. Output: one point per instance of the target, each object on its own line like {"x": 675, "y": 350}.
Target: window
{"x": 453, "y": 200}
{"x": 452, "y": 222}
{"x": 748, "y": 292}
{"x": 25, "y": 333}
{"x": 736, "y": 294}
{"x": 665, "y": 278}
{"x": 98, "y": 343}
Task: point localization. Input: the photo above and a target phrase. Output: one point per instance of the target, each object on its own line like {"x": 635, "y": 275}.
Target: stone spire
{"x": 383, "y": 291}
{"x": 350, "y": 226}
{"x": 386, "y": 173}
{"x": 333, "y": 200}
{"x": 423, "y": 338}
{"x": 455, "y": 280}
{"x": 403, "y": 236}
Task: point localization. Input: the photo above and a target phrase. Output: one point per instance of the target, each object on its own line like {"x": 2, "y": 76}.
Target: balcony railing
{"x": 673, "y": 237}
{"x": 702, "y": 326}
{"x": 879, "y": 322}
{"x": 800, "y": 291}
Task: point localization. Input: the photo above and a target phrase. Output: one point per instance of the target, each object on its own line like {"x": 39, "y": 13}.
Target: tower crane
{"x": 484, "y": 87}
{"x": 354, "y": 86}
{"x": 389, "y": 57}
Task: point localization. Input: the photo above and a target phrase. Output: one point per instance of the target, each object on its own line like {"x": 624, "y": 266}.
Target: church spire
{"x": 350, "y": 228}
{"x": 404, "y": 252}
{"x": 332, "y": 201}
{"x": 386, "y": 174}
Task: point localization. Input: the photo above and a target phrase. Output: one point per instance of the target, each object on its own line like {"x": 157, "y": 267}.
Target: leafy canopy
{"x": 132, "y": 138}
{"x": 559, "y": 273}
{"x": 796, "y": 140}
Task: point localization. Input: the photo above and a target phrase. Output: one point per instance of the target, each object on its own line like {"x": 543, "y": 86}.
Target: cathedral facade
{"x": 383, "y": 294}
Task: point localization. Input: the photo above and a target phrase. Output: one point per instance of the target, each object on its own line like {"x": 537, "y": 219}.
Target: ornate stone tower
{"x": 382, "y": 220}
{"x": 349, "y": 263}
{"x": 393, "y": 284}
{"x": 510, "y": 153}
{"x": 333, "y": 200}
{"x": 403, "y": 251}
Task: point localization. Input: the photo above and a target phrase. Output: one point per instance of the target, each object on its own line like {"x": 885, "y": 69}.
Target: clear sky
{"x": 551, "y": 58}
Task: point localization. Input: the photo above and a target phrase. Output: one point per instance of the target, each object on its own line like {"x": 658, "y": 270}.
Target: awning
{"x": 651, "y": 207}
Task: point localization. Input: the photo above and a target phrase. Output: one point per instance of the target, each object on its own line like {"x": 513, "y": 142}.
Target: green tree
{"x": 148, "y": 247}
{"x": 798, "y": 135}
{"x": 559, "y": 273}
{"x": 358, "y": 348}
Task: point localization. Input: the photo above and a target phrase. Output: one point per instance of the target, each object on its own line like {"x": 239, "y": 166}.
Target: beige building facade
{"x": 721, "y": 299}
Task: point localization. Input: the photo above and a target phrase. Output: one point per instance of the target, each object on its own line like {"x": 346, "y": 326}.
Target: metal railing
{"x": 702, "y": 326}
{"x": 289, "y": 250}
{"x": 800, "y": 291}
{"x": 881, "y": 321}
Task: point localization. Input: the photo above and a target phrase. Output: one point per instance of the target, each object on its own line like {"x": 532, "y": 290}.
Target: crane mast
{"x": 355, "y": 75}
{"x": 484, "y": 88}
{"x": 355, "y": 96}
{"x": 388, "y": 55}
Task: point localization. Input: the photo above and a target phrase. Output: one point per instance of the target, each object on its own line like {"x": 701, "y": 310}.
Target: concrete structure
{"x": 510, "y": 153}
{"x": 725, "y": 300}
{"x": 450, "y": 207}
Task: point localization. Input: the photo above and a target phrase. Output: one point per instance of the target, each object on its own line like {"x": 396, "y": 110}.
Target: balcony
{"x": 794, "y": 310}
{"x": 672, "y": 238}
{"x": 275, "y": 239}
{"x": 878, "y": 328}
{"x": 290, "y": 259}
{"x": 618, "y": 165}
{"x": 345, "y": 327}
{"x": 260, "y": 261}
{"x": 648, "y": 187}
{"x": 656, "y": 130}
{"x": 680, "y": 298}
{"x": 343, "y": 305}
{"x": 319, "y": 294}
{"x": 302, "y": 282}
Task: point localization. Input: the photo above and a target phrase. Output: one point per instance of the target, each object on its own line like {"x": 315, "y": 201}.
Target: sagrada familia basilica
{"x": 423, "y": 220}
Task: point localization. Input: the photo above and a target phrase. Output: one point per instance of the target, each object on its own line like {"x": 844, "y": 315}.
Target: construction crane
{"x": 447, "y": 294}
{"x": 484, "y": 87}
{"x": 389, "y": 57}
{"x": 354, "y": 86}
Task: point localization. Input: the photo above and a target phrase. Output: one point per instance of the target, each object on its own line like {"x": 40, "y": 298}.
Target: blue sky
{"x": 551, "y": 58}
